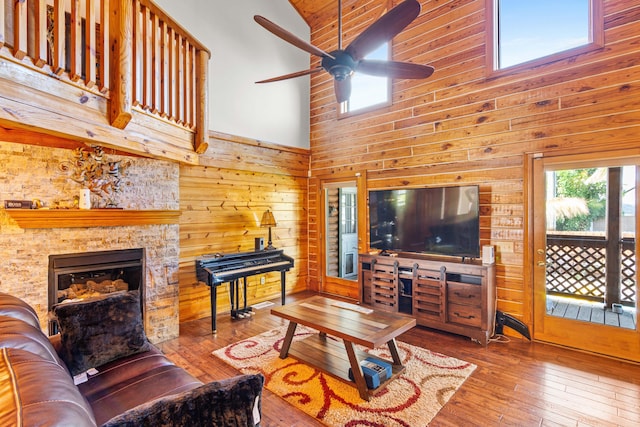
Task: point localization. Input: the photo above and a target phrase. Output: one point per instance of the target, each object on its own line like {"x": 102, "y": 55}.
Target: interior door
{"x": 340, "y": 240}
{"x": 584, "y": 274}
{"x": 343, "y": 232}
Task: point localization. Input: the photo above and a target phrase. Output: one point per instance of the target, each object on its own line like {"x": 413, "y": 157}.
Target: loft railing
{"x": 128, "y": 51}
{"x": 577, "y": 266}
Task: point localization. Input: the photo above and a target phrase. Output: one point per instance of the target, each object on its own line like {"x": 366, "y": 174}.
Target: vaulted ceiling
{"x": 311, "y": 10}
{"x": 322, "y": 12}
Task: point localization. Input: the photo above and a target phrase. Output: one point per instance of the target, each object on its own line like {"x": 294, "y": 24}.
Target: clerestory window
{"x": 369, "y": 91}
{"x": 531, "y": 32}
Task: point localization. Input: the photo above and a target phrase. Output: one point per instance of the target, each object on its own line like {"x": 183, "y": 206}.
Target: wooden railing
{"x": 135, "y": 55}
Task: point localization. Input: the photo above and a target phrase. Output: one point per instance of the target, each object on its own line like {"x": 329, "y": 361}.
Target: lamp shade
{"x": 267, "y": 219}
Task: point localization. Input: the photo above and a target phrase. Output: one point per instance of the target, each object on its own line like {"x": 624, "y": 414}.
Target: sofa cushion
{"x": 15, "y": 333}
{"x": 14, "y": 307}
{"x": 98, "y": 330}
{"x": 38, "y": 392}
{"x": 231, "y": 402}
{"x": 124, "y": 383}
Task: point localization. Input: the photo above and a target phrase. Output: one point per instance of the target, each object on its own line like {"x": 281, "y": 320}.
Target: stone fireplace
{"x": 76, "y": 277}
{"x": 30, "y": 172}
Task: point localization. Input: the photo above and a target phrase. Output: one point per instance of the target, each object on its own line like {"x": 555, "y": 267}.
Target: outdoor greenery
{"x": 575, "y": 183}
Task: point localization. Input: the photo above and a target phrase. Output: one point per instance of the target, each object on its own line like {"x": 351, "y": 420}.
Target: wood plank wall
{"x": 222, "y": 201}
{"x": 465, "y": 126}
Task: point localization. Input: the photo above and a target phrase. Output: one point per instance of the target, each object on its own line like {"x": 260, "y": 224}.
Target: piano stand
{"x": 234, "y": 290}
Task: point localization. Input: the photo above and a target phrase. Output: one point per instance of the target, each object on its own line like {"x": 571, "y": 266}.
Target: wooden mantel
{"x": 75, "y": 218}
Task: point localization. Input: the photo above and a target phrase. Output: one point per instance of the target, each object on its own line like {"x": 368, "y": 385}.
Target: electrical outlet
{"x": 262, "y": 280}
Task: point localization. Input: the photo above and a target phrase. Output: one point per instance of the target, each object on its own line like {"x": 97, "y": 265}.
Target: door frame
{"x": 352, "y": 287}
{"x": 608, "y": 340}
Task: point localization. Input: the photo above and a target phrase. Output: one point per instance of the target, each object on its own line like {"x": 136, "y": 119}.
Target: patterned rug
{"x": 411, "y": 400}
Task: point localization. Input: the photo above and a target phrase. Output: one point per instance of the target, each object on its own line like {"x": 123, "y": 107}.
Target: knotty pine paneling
{"x": 466, "y": 125}
{"x": 222, "y": 201}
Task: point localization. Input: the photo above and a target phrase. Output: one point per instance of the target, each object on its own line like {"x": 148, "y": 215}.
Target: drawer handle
{"x": 458, "y": 294}
{"x": 471, "y": 316}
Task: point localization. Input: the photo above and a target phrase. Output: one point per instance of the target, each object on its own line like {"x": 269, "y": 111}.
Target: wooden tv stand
{"x": 450, "y": 296}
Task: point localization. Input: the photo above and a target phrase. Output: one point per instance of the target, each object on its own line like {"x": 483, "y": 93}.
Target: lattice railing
{"x": 628, "y": 271}
{"x": 576, "y": 266}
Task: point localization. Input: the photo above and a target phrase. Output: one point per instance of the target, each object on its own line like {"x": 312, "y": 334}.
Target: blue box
{"x": 375, "y": 372}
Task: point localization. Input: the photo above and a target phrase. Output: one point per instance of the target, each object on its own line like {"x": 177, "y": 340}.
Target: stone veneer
{"x": 31, "y": 172}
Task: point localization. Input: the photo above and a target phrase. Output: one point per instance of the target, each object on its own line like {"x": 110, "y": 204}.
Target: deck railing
{"x": 129, "y": 51}
{"x": 577, "y": 266}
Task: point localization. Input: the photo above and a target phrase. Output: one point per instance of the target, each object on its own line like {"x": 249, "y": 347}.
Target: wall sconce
{"x": 268, "y": 221}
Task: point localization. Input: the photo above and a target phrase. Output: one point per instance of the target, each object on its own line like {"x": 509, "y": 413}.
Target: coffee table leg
{"x": 361, "y": 384}
{"x": 288, "y": 339}
{"x": 393, "y": 349}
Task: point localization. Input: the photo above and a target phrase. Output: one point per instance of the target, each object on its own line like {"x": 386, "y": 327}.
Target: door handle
{"x": 541, "y": 263}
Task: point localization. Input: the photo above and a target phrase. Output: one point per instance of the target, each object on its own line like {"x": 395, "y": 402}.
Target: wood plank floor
{"x": 516, "y": 383}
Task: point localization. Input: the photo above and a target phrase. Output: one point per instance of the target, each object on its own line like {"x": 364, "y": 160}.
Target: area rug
{"x": 411, "y": 400}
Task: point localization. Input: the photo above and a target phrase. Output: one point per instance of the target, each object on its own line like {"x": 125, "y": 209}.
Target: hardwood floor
{"x": 517, "y": 383}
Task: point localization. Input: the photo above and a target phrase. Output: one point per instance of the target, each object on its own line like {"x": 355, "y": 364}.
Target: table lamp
{"x": 268, "y": 221}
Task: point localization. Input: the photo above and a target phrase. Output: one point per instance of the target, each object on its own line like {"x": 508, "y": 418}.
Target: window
{"x": 368, "y": 91}
{"x": 526, "y": 30}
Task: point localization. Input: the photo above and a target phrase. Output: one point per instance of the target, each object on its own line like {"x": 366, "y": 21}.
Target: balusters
{"x": 90, "y": 46}
{"x": 59, "y": 47}
{"x": 40, "y": 33}
{"x": 129, "y": 49}
{"x": 20, "y": 14}
{"x": 138, "y": 51}
{"x": 164, "y": 72}
{"x": 103, "y": 42}
{"x": 155, "y": 61}
{"x": 147, "y": 70}
{"x": 75, "y": 42}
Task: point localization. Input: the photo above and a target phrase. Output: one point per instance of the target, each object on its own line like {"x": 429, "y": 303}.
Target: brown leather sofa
{"x": 145, "y": 388}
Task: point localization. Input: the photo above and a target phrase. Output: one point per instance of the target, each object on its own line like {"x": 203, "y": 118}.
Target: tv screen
{"x": 442, "y": 220}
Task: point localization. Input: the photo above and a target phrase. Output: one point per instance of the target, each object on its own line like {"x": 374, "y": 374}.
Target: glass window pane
{"x": 369, "y": 90}
{"x": 530, "y": 29}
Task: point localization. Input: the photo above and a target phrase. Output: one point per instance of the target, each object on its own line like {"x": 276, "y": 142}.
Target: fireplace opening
{"x": 78, "y": 276}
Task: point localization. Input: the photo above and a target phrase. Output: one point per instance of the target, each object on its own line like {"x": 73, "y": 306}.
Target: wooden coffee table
{"x": 353, "y": 324}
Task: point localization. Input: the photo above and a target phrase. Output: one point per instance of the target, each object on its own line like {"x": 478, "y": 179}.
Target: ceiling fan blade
{"x": 292, "y": 75}
{"x": 290, "y": 37}
{"x": 342, "y": 89}
{"x": 394, "y": 69}
{"x": 384, "y": 29}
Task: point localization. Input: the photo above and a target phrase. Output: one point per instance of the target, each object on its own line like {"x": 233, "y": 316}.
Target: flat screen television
{"x": 433, "y": 220}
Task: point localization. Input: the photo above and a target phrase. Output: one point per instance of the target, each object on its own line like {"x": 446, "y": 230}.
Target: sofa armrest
{"x": 230, "y": 402}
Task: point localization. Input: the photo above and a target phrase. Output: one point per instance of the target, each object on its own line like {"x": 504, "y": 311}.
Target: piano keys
{"x": 216, "y": 269}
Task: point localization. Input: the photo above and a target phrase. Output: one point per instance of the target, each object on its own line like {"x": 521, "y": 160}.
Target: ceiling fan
{"x": 342, "y": 63}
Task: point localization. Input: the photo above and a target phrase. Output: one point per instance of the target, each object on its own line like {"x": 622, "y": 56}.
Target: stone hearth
{"x": 31, "y": 172}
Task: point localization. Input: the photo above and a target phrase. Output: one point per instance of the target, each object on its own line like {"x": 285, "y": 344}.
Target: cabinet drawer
{"x": 464, "y": 315}
{"x": 463, "y": 293}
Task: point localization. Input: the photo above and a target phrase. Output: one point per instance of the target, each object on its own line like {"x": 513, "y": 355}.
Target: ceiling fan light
{"x": 340, "y": 72}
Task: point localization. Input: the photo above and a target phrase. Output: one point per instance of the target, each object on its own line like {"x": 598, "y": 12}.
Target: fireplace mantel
{"x": 63, "y": 218}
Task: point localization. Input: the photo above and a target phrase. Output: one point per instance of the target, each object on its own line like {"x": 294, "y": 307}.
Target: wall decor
{"x": 95, "y": 171}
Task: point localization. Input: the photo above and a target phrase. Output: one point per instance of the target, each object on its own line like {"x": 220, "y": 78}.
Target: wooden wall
{"x": 467, "y": 126}
{"x": 222, "y": 201}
